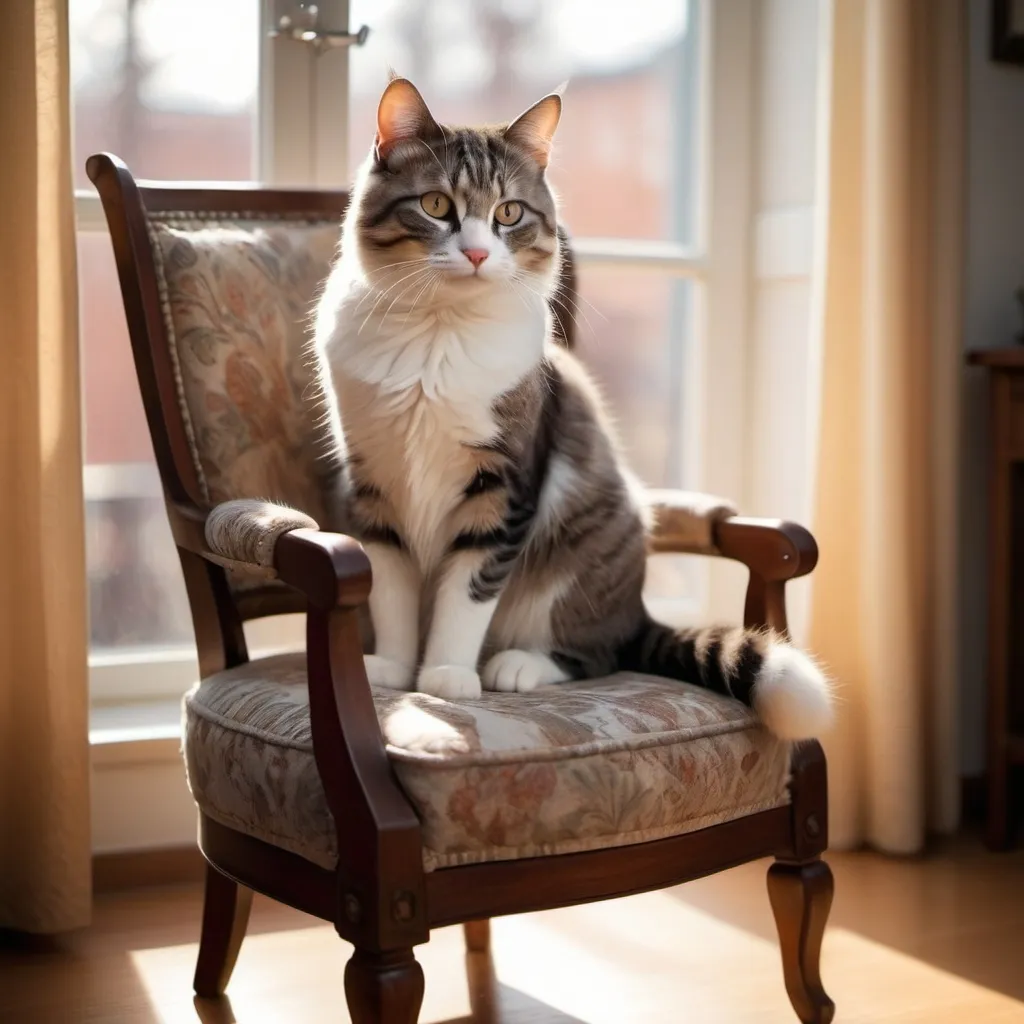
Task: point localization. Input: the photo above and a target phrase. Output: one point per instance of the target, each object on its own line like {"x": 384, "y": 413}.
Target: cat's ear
{"x": 534, "y": 129}
{"x": 402, "y": 115}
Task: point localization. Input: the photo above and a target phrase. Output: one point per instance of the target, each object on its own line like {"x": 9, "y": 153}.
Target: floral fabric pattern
{"x": 237, "y": 297}
{"x": 580, "y": 766}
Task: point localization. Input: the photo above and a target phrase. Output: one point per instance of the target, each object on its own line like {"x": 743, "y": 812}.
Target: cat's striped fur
{"x": 507, "y": 538}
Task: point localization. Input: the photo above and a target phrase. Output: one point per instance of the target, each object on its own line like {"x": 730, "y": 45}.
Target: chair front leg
{"x": 801, "y": 896}
{"x": 226, "y": 906}
{"x": 384, "y": 988}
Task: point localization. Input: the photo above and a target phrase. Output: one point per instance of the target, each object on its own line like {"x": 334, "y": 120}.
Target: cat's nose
{"x": 475, "y": 256}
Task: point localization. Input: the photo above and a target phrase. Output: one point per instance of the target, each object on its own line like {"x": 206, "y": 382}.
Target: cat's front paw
{"x": 451, "y": 682}
{"x": 385, "y": 672}
{"x": 520, "y": 671}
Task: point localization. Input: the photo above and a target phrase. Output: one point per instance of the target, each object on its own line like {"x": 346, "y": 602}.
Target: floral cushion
{"x": 237, "y": 296}
{"x": 581, "y": 766}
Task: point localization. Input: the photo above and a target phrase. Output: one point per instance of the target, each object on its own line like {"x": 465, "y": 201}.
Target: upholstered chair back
{"x": 236, "y": 296}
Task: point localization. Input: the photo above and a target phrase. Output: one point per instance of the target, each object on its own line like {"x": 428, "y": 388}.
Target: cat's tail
{"x": 787, "y": 690}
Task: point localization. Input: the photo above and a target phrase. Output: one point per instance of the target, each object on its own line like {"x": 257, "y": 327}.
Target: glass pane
{"x": 168, "y": 85}
{"x": 633, "y": 331}
{"x": 626, "y": 154}
{"x": 136, "y": 593}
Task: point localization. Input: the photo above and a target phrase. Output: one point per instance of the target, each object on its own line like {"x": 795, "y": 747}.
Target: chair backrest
{"x": 218, "y": 285}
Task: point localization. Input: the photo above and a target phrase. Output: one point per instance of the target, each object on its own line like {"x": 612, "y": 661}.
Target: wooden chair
{"x": 306, "y": 802}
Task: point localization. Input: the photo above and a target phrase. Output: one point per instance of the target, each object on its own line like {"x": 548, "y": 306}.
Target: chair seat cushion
{"x": 578, "y": 766}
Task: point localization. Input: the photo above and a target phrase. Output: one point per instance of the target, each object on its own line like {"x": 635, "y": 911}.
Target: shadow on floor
{"x": 958, "y": 908}
{"x": 490, "y": 1001}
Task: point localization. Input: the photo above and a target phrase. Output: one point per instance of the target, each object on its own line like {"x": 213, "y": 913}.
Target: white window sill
{"x": 139, "y": 800}
{"x": 151, "y": 728}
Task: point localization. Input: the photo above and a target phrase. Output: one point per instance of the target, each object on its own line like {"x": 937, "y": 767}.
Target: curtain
{"x": 887, "y": 315}
{"x": 44, "y": 754}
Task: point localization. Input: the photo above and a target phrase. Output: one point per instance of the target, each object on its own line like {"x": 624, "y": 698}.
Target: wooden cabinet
{"x": 1005, "y": 584}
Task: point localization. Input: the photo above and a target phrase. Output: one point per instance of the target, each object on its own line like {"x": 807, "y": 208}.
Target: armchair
{"x": 386, "y": 813}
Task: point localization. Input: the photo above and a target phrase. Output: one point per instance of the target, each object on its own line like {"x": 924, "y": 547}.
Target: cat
{"x": 479, "y": 469}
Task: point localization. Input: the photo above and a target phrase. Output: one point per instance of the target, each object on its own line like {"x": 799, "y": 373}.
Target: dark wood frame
{"x": 378, "y": 897}
{"x": 1006, "y": 46}
{"x": 1005, "y": 730}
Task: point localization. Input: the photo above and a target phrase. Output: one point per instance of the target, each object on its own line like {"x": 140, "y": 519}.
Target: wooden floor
{"x": 937, "y": 940}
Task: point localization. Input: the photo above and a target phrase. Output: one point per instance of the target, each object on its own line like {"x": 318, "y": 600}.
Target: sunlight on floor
{"x": 631, "y": 961}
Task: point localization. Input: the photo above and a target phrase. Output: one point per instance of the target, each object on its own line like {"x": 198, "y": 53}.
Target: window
{"x": 633, "y": 152}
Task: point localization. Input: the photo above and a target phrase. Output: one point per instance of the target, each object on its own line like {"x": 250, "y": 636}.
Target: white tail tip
{"x": 792, "y": 696}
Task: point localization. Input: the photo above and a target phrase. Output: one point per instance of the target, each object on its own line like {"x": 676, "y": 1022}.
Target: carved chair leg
{"x": 801, "y": 896}
{"x": 478, "y": 936}
{"x": 384, "y": 988}
{"x": 226, "y": 907}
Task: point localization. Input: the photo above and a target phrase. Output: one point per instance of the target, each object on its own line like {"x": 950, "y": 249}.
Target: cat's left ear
{"x": 534, "y": 129}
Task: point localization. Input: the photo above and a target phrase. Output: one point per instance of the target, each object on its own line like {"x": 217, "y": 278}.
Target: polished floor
{"x": 936, "y": 940}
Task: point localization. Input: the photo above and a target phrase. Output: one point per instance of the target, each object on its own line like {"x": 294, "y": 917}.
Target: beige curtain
{"x": 888, "y": 312}
{"x": 44, "y": 766}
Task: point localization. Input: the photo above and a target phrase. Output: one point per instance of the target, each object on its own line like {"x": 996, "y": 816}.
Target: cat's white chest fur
{"x": 415, "y": 388}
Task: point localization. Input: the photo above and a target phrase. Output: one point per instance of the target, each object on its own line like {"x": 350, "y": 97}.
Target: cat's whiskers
{"x": 555, "y": 300}
{"x": 384, "y": 294}
{"x": 574, "y": 312}
{"x": 430, "y": 281}
{"x": 447, "y": 161}
{"x": 580, "y": 298}
{"x": 511, "y": 282}
{"x": 521, "y": 162}
{"x": 376, "y": 291}
{"x": 426, "y": 146}
{"x": 374, "y": 287}
{"x": 406, "y": 289}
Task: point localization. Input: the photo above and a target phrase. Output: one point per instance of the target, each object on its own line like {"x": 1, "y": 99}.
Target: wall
{"x": 994, "y": 268}
{"x": 781, "y": 360}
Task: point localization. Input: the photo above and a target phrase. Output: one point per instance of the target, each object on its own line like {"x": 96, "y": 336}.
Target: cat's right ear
{"x": 402, "y": 115}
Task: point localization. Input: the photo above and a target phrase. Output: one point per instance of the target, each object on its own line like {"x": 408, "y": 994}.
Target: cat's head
{"x": 456, "y": 210}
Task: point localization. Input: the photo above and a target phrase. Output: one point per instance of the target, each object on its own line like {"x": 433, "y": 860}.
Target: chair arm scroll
{"x": 773, "y": 548}
{"x": 277, "y": 542}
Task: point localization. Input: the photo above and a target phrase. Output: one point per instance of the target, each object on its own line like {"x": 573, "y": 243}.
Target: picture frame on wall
{"x": 1008, "y": 31}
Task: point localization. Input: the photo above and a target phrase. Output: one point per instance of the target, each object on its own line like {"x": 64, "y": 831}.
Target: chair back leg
{"x": 384, "y": 988}
{"x": 801, "y": 896}
{"x": 478, "y": 936}
{"x": 226, "y": 907}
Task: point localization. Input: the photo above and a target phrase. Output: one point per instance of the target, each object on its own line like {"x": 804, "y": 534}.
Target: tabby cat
{"x": 479, "y": 469}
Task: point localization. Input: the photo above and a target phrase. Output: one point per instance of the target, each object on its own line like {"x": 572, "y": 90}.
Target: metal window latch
{"x": 302, "y": 27}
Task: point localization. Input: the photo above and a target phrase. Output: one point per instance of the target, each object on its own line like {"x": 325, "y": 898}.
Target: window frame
{"x": 302, "y": 141}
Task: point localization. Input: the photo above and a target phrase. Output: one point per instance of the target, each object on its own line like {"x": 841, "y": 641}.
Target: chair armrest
{"x": 684, "y": 522}
{"x": 772, "y": 549}
{"x": 380, "y": 848}
{"x": 278, "y": 542}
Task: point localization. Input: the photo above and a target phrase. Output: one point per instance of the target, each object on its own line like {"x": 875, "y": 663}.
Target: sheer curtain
{"x": 44, "y": 765}
{"x": 888, "y": 280}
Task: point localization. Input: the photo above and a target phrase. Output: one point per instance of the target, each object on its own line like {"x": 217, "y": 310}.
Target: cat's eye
{"x": 509, "y": 213}
{"x": 437, "y": 204}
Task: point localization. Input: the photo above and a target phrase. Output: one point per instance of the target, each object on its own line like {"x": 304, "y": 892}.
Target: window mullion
{"x": 303, "y": 106}
{"x": 719, "y": 375}
{"x": 284, "y": 130}
{"x": 331, "y": 104}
